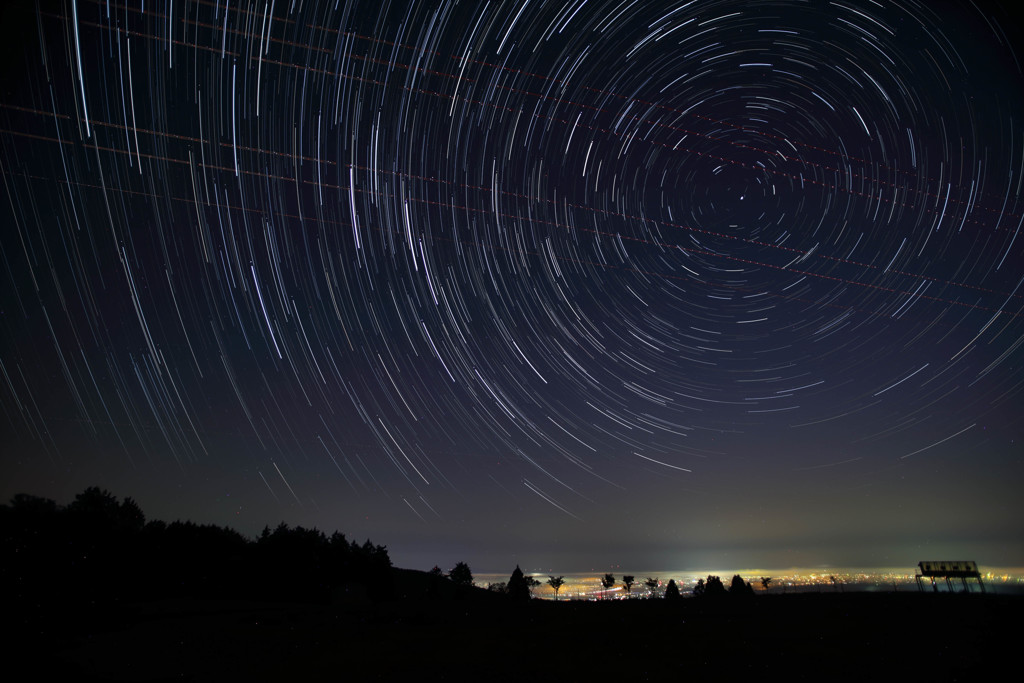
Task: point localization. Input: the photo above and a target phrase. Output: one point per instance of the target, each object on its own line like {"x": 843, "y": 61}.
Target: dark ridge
{"x": 94, "y": 592}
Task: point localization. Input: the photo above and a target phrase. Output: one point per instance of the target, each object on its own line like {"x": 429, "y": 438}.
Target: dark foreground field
{"x": 827, "y": 637}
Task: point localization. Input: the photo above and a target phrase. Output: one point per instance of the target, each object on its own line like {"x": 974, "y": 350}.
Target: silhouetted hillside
{"x": 98, "y": 551}
{"x": 97, "y": 593}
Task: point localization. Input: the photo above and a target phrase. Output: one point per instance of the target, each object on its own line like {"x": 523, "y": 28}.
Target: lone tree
{"x": 652, "y": 585}
{"x": 460, "y": 575}
{"x": 608, "y": 581}
{"x": 556, "y": 583}
{"x": 628, "y": 581}
{"x": 518, "y": 588}
{"x": 765, "y": 580}
{"x": 672, "y": 590}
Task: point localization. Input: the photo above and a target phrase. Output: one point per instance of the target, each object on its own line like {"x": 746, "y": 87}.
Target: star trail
{"x": 563, "y": 283}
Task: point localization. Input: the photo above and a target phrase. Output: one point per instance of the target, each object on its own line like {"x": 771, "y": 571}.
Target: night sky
{"x": 573, "y": 285}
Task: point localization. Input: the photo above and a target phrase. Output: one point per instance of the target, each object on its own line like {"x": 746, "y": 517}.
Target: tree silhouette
{"x": 628, "y": 580}
{"x": 608, "y": 581}
{"x": 714, "y": 586}
{"x": 460, "y": 575}
{"x": 700, "y": 588}
{"x": 131, "y": 514}
{"x": 765, "y": 580}
{"x": 518, "y": 588}
{"x": 306, "y": 564}
{"x": 672, "y": 590}
{"x": 739, "y": 586}
{"x": 556, "y": 583}
{"x": 531, "y": 583}
{"x": 96, "y": 505}
{"x": 652, "y": 585}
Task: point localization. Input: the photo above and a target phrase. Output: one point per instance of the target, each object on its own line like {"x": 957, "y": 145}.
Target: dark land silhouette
{"x": 95, "y": 592}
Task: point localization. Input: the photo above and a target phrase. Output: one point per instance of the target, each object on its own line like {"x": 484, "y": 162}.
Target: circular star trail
{"x": 447, "y": 258}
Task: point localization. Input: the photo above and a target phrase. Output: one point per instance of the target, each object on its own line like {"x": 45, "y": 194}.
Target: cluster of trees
{"x": 98, "y": 549}
{"x": 714, "y": 586}
{"x": 520, "y": 586}
{"x": 651, "y": 582}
